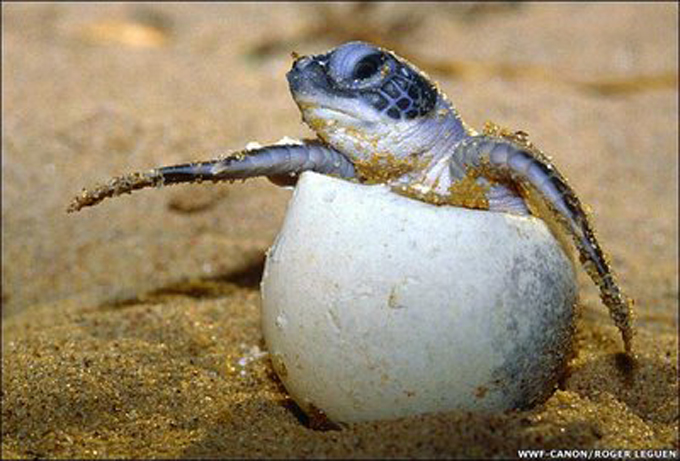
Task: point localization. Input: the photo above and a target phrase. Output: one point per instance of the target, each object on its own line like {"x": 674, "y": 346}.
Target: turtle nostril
{"x": 302, "y": 62}
{"x": 306, "y": 74}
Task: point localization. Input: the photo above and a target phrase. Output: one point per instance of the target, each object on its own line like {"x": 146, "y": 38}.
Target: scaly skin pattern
{"x": 380, "y": 120}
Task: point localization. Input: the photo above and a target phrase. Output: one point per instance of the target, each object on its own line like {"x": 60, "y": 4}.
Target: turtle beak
{"x": 306, "y": 75}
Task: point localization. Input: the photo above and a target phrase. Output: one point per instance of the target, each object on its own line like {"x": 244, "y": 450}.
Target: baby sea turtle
{"x": 378, "y": 119}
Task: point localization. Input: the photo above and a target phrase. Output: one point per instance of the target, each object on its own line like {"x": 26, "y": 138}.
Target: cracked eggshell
{"x": 377, "y": 306}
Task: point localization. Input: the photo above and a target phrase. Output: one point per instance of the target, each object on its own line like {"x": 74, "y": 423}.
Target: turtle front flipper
{"x": 279, "y": 162}
{"x": 508, "y": 158}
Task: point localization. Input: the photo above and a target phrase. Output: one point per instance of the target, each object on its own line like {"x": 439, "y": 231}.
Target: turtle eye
{"x": 368, "y": 66}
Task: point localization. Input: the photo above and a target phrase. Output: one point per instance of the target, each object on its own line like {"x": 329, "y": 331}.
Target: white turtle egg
{"x": 377, "y": 306}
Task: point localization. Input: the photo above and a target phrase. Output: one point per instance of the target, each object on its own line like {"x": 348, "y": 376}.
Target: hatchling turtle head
{"x": 366, "y": 102}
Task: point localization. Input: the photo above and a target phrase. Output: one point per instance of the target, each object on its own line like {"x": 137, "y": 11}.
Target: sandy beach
{"x": 132, "y": 329}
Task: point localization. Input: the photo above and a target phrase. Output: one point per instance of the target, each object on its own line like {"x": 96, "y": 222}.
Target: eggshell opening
{"x": 377, "y": 306}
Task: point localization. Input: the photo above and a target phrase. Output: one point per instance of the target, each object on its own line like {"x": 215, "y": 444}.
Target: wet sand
{"x": 125, "y": 326}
